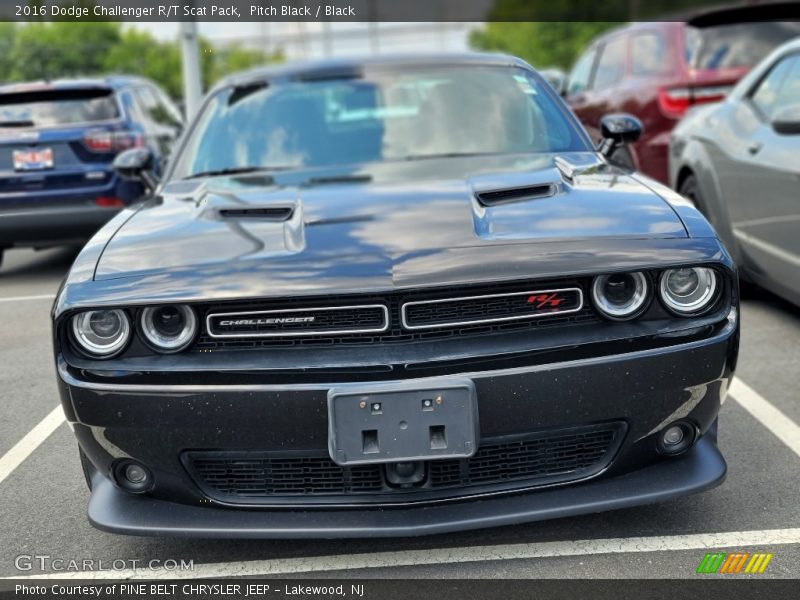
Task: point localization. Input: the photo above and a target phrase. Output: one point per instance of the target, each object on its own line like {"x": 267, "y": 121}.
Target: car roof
{"x": 320, "y": 69}
{"x": 113, "y": 82}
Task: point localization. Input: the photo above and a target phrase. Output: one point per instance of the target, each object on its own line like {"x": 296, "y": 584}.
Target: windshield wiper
{"x": 20, "y": 123}
{"x": 444, "y": 155}
{"x": 239, "y": 171}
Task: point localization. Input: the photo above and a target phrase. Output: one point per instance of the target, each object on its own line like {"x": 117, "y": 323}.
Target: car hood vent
{"x": 266, "y": 213}
{"x": 519, "y": 194}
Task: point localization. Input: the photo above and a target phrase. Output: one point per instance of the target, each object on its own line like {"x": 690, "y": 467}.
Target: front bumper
{"x": 699, "y": 469}
{"x": 647, "y": 389}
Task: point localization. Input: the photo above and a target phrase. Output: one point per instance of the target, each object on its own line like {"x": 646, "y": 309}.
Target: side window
{"x": 777, "y": 89}
{"x": 155, "y": 108}
{"x": 611, "y": 67}
{"x": 172, "y": 111}
{"x": 790, "y": 92}
{"x": 581, "y": 73}
{"x": 649, "y": 55}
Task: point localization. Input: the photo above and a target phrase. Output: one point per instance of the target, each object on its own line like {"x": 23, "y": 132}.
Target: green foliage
{"x": 57, "y": 50}
{"x": 543, "y": 44}
{"x": 137, "y": 53}
{"x": 54, "y": 50}
{"x": 8, "y": 32}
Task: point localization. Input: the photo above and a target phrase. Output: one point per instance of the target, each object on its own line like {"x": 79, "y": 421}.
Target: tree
{"x": 54, "y": 50}
{"x": 8, "y": 31}
{"x": 543, "y": 44}
{"x": 60, "y": 50}
{"x": 138, "y": 53}
{"x": 235, "y": 58}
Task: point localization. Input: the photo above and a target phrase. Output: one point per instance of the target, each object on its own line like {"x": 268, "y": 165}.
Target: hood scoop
{"x": 517, "y": 194}
{"x": 263, "y": 213}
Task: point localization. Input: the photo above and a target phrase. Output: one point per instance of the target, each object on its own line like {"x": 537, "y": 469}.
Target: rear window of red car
{"x": 735, "y": 44}
{"x": 48, "y": 108}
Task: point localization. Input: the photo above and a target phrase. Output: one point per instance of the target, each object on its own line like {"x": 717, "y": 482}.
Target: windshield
{"x": 382, "y": 116}
{"x": 50, "y": 108}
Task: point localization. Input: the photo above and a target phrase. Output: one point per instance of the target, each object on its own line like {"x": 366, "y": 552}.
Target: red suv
{"x": 656, "y": 71}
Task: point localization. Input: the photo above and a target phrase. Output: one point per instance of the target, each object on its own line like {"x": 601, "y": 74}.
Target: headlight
{"x": 101, "y": 333}
{"x": 620, "y": 296}
{"x": 168, "y": 328}
{"x": 688, "y": 291}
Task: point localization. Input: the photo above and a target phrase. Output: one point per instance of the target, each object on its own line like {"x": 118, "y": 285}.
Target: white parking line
{"x": 770, "y": 417}
{"x": 23, "y": 448}
{"x": 437, "y": 556}
{"x": 26, "y": 298}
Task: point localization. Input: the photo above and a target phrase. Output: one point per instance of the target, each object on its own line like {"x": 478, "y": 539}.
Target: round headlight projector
{"x": 168, "y": 328}
{"x": 621, "y": 296}
{"x": 101, "y": 333}
{"x": 688, "y": 291}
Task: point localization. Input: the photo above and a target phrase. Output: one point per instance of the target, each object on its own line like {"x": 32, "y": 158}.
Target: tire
{"x": 691, "y": 190}
{"x": 2, "y": 250}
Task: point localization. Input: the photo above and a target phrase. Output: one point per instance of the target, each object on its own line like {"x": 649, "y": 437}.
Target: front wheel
{"x": 689, "y": 189}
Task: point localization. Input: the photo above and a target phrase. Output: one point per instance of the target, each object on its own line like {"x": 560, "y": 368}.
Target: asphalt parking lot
{"x": 44, "y": 496}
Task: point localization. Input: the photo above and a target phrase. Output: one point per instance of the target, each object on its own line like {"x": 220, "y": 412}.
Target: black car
{"x": 393, "y": 297}
{"x": 738, "y": 162}
{"x": 57, "y": 143}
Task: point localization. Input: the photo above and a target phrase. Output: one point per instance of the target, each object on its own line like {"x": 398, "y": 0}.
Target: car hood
{"x": 382, "y": 226}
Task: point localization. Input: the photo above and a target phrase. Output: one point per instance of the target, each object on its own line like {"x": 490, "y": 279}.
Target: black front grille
{"x": 493, "y": 308}
{"x": 501, "y": 464}
{"x": 298, "y": 322}
{"x": 396, "y": 333}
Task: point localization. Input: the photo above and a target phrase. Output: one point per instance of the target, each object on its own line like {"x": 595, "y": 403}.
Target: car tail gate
{"x": 57, "y": 139}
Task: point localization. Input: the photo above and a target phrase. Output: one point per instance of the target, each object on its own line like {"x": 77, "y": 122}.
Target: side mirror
{"x": 617, "y": 130}
{"x": 787, "y": 120}
{"x": 137, "y": 164}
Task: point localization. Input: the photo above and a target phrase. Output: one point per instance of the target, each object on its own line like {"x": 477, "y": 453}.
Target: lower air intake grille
{"x": 507, "y": 463}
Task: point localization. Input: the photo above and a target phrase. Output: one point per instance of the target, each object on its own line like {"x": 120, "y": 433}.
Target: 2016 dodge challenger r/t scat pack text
{"x": 393, "y": 297}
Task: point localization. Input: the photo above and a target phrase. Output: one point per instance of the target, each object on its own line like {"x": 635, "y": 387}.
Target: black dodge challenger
{"x": 393, "y": 297}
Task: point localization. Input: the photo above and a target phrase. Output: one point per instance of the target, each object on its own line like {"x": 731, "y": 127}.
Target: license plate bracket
{"x": 384, "y": 423}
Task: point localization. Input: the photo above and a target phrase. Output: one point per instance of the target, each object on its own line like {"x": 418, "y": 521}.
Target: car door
{"x": 764, "y": 205}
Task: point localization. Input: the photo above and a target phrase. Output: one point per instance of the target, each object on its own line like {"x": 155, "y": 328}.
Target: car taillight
{"x": 712, "y": 93}
{"x": 101, "y": 140}
{"x": 674, "y": 102}
{"x": 109, "y": 202}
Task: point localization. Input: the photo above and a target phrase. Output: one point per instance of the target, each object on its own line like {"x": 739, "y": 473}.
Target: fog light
{"x": 672, "y": 436}
{"x": 676, "y": 438}
{"x": 133, "y": 477}
{"x": 136, "y": 474}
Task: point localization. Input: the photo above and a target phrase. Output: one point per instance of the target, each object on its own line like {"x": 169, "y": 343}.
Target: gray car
{"x": 739, "y": 161}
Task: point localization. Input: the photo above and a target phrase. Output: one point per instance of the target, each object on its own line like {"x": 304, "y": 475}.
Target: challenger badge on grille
{"x": 372, "y": 318}
{"x": 492, "y": 308}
